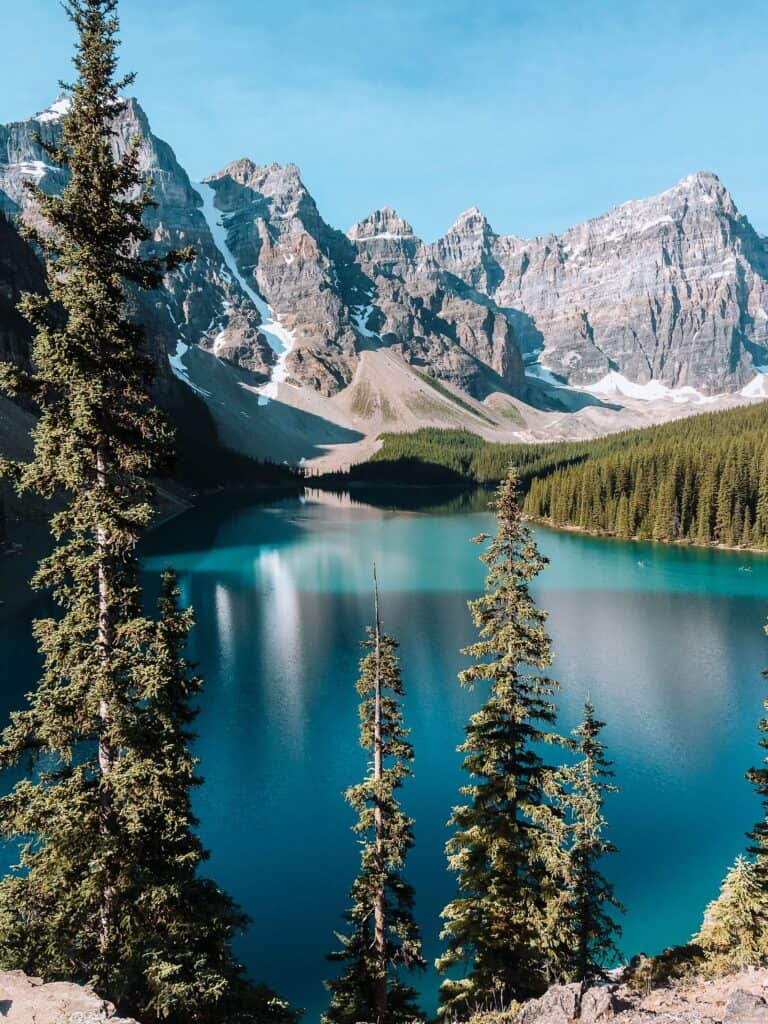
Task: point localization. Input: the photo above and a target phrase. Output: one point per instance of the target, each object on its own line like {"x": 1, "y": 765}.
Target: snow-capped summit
{"x": 57, "y": 110}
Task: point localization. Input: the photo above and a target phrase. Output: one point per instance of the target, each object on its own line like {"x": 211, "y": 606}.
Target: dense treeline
{"x": 703, "y": 479}
{"x": 434, "y": 456}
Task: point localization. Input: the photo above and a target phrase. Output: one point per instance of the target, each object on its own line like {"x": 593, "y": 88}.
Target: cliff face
{"x": 339, "y": 295}
{"x": 202, "y": 304}
{"x": 417, "y": 309}
{"x": 671, "y": 288}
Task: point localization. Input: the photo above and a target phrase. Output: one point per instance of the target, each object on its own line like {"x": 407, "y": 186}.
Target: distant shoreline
{"x": 598, "y": 535}
{"x": 471, "y": 485}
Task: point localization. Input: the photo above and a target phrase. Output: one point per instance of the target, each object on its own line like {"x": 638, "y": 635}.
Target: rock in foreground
{"x": 734, "y": 999}
{"x": 26, "y": 1000}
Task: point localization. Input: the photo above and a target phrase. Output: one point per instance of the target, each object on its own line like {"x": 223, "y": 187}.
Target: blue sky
{"x": 541, "y": 113}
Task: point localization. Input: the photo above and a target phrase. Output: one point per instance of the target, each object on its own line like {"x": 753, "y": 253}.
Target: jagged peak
{"x": 707, "y": 180}
{"x": 699, "y": 184}
{"x": 63, "y": 103}
{"x": 702, "y": 190}
{"x": 384, "y": 223}
{"x": 471, "y": 219}
{"x": 272, "y": 177}
{"x": 57, "y": 110}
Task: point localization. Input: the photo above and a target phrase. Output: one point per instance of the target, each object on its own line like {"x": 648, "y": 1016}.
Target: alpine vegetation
{"x": 734, "y": 933}
{"x": 507, "y": 850}
{"x": 107, "y": 889}
{"x": 587, "y": 930}
{"x": 383, "y": 937}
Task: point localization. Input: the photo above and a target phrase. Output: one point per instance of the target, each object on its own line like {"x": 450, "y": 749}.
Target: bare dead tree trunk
{"x": 379, "y": 910}
{"x": 106, "y": 754}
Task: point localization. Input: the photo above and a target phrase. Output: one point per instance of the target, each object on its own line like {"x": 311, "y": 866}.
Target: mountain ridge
{"x": 282, "y": 309}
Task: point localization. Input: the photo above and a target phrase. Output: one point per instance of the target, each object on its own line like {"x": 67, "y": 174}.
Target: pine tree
{"x": 105, "y": 889}
{"x": 623, "y": 528}
{"x": 759, "y": 779}
{"x": 503, "y": 850}
{"x": 734, "y": 934}
{"x": 384, "y": 937}
{"x": 177, "y": 927}
{"x": 588, "y": 932}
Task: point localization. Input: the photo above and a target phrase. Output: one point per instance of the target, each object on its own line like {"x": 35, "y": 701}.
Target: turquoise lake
{"x": 668, "y": 642}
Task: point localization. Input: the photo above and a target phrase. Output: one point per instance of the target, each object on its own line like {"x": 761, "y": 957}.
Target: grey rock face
{"x": 201, "y": 304}
{"x": 303, "y": 268}
{"x": 341, "y": 294}
{"x": 559, "y": 1005}
{"x": 745, "y": 1008}
{"x": 671, "y": 288}
{"x": 600, "y": 1004}
{"x": 431, "y": 319}
{"x": 25, "y": 1000}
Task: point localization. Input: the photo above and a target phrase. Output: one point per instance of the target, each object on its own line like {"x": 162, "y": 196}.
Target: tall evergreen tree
{"x": 506, "y": 850}
{"x": 759, "y": 779}
{"x": 177, "y": 927}
{"x": 106, "y": 888}
{"x": 734, "y": 933}
{"x": 588, "y": 931}
{"x": 383, "y": 936}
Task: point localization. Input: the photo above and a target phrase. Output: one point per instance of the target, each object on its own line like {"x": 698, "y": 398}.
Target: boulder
{"x": 745, "y": 1008}
{"x": 25, "y": 1000}
{"x": 559, "y": 1005}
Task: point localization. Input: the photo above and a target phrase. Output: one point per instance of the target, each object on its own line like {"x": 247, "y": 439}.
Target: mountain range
{"x": 291, "y": 339}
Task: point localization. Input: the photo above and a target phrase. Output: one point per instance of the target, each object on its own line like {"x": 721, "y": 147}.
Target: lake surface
{"x": 667, "y": 642}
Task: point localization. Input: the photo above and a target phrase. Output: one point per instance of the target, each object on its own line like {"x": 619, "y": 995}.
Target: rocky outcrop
{"x": 415, "y": 308}
{"x": 733, "y": 999}
{"x": 25, "y": 1000}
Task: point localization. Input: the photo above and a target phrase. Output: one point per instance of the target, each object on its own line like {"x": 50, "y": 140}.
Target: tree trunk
{"x": 379, "y": 910}
{"x": 106, "y": 753}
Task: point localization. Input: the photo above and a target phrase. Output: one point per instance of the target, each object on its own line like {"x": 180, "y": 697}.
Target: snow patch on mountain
{"x": 758, "y": 386}
{"x": 539, "y": 372}
{"x": 180, "y": 371}
{"x": 614, "y": 385}
{"x": 360, "y": 317}
{"x": 36, "y": 169}
{"x": 280, "y": 338}
{"x": 55, "y": 112}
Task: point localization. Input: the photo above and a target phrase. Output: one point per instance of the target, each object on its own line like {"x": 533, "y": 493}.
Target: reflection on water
{"x": 671, "y": 654}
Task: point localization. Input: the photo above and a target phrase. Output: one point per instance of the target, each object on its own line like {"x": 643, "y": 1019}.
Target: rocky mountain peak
{"x": 704, "y": 181}
{"x": 471, "y": 221}
{"x": 701, "y": 193}
{"x": 267, "y": 179}
{"x": 55, "y": 112}
{"x": 466, "y": 251}
{"x": 385, "y": 223}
